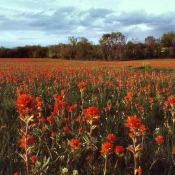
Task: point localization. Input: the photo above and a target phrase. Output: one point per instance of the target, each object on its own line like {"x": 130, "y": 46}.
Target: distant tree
{"x": 3, "y": 52}
{"x": 53, "y": 51}
{"x": 113, "y": 45}
{"x": 135, "y": 50}
{"x": 150, "y": 43}
{"x": 38, "y": 52}
{"x": 129, "y": 50}
{"x": 65, "y": 52}
{"x": 72, "y": 46}
{"x": 168, "y": 39}
{"x": 168, "y": 42}
{"x": 139, "y": 51}
{"x": 84, "y": 49}
{"x": 158, "y": 49}
{"x": 97, "y": 53}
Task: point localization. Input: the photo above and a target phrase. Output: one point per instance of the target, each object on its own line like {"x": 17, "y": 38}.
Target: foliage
{"x": 111, "y": 46}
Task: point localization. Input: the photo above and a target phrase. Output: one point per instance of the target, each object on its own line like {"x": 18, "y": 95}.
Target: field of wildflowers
{"x": 87, "y": 118}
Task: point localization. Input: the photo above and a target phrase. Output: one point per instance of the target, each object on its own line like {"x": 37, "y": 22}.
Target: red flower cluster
{"x": 111, "y": 138}
{"x": 81, "y": 85}
{"x": 71, "y": 108}
{"x": 58, "y": 97}
{"x": 30, "y": 141}
{"x": 106, "y": 148}
{"x": 26, "y": 105}
{"x": 135, "y": 126}
{"x": 171, "y": 101}
{"x": 66, "y": 129}
{"x": 128, "y": 97}
{"x": 50, "y": 119}
{"x": 119, "y": 149}
{"x": 66, "y": 120}
{"x": 159, "y": 139}
{"x": 75, "y": 143}
{"x": 57, "y": 106}
{"x": 91, "y": 114}
{"x": 33, "y": 159}
{"x": 109, "y": 147}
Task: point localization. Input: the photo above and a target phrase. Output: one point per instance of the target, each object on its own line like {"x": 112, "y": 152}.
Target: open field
{"x": 61, "y": 117}
{"x": 167, "y": 63}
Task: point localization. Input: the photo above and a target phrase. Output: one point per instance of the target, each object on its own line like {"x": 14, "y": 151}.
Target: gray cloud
{"x": 92, "y": 23}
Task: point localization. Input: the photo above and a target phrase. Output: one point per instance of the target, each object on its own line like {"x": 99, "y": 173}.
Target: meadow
{"x": 62, "y": 117}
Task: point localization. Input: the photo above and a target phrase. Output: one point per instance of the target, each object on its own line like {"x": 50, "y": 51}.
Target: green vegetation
{"x": 112, "y": 46}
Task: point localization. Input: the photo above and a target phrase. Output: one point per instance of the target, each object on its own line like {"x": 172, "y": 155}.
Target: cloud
{"x": 60, "y": 23}
{"x": 63, "y": 19}
{"x": 141, "y": 24}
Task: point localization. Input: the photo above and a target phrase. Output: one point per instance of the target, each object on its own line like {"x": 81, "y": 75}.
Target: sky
{"x": 47, "y": 22}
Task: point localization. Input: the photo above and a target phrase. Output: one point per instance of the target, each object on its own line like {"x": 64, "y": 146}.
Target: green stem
{"x": 134, "y": 155}
{"x": 105, "y": 166}
{"x": 26, "y": 149}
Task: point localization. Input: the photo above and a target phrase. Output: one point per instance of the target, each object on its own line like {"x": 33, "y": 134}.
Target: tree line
{"x": 112, "y": 46}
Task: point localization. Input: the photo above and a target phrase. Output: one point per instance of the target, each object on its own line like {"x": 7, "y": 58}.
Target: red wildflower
{"x": 139, "y": 170}
{"x": 91, "y": 111}
{"x": 50, "y": 119}
{"x": 91, "y": 114}
{"x": 66, "y": 120}
{"x": 66, "y": 129}
{"x": 135, "y": 126}
{"x": 141, "y": 108}
{"x": 174, "y": 150}
{"x": 106, "y": 148}
{"x": 133, "y": 122}
{"x": 108, "y": 107}
{"x": 119, "y": 149}
{"x": 63, "y": 91}
{"x": 33, "y": 158}
{"x": 81, "y": 85}
{"x": 57, "y": 106}
{"x": 79, "y": 119}
{"x": 39, "y": 102}
{"x": 42, "y": 120}
{"x": 75, "y": 143}
{"x": 171, "y": 101}
{"x": 25, "y": 104}
{"x": 80, "y": 129}
{"x": 111, "y": 138}
{"x": 164, "y": 107}
{"x": 58, "y": 97}
{"x": 151, "y": 100}
{"x": 16, "y": 173}
{"x": 52, "y": 134}
{"x": 159, "y": 139}
{"x": 19, "y": 92}
{"x": 30, "y": 141}
{"x": 71, "y": 108}
{"x": 128, "y": 97}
